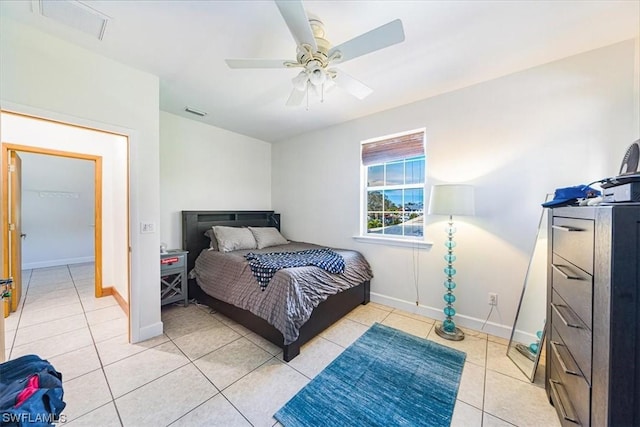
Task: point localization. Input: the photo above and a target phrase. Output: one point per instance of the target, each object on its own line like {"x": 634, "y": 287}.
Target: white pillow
{"x": 213, "y": 243}
{"x": 267, "y": 236}
{"x": 234, "y": 238}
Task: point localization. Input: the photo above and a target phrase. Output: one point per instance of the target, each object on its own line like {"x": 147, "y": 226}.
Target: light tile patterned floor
{"x": 206, "y": 370}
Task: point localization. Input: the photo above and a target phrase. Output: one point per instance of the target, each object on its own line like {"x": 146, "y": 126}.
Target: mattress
{"x": 292, "y": 294}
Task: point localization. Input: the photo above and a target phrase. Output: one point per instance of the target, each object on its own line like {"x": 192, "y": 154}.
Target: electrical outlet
{"x": 493, "y": 298}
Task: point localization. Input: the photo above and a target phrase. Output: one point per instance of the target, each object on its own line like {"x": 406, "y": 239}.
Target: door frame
{"x": 8, "y": 147}
{"x": 14, "y": 250}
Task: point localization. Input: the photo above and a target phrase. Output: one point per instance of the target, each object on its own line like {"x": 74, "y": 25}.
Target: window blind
{"x": 391, "y": 149}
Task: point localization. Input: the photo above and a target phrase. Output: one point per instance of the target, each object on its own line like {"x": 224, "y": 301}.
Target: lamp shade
{"x": 452, "y": 199}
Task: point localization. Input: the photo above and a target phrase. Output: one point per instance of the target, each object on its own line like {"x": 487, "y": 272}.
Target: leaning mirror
{"x": 527, "y": 335}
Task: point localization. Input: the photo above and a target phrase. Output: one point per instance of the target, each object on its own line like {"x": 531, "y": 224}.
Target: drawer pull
{"x": 565, "y": 228}
{"x": 565, "y": 275}
{"x": 564, "y": 319}
{"x": 567, "y": 415}
{"x": 554, "y": 347}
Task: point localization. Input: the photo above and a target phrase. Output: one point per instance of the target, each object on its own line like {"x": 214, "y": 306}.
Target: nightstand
{"x": 173, "y": 277}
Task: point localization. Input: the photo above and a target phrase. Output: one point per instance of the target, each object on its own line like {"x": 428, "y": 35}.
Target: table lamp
{"x": 450, "y": 199}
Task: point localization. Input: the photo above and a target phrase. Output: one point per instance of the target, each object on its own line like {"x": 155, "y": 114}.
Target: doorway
{"x": 109, "y": 152}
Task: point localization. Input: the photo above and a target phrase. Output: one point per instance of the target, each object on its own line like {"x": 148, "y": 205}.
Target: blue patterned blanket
{"x": 265, "y": 266}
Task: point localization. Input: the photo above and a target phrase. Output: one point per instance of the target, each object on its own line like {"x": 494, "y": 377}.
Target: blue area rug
{"x": 385, "y": 378}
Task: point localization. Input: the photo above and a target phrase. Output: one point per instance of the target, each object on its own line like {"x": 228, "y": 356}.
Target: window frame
{"x": 391, "y": 239}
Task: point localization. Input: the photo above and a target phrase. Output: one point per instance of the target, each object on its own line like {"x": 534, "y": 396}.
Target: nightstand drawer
{"x": 574, "y": 286}
{"x": 573, "y": 333}
{"x": 573, "y": 241}
{"x": 171, "y": 261}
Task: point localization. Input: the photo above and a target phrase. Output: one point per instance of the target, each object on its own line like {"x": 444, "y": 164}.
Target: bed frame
{"x": 195, "y": 223}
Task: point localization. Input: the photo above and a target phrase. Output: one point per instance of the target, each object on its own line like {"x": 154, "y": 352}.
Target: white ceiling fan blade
{"x": 256, "y": 63}
{"x": 351, "y": 85}
{"x": 296, "y": 98}
{"x": 296, "y": 18}
{"x": 379, "y": 38}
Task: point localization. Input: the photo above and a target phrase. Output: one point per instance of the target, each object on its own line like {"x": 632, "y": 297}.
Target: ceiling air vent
{"x": 74, "y": 14}
{"x": 194, "y": 111}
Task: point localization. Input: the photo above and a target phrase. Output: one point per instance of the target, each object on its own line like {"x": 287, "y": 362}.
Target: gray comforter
{"x": 292, "y": 293}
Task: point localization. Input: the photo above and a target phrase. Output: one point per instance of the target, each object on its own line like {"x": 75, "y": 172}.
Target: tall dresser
{"x": 593, "y": 315}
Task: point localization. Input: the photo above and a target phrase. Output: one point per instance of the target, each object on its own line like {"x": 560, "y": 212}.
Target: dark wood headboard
{"x": 195, "y": 223}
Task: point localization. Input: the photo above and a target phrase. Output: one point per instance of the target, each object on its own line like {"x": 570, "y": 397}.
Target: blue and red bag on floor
{"x": 30, "y": 393}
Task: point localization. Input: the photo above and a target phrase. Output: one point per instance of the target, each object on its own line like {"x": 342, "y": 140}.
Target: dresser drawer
{"x": 566, "y": 371}
{"x": 561, "y": 400}
{"x": 573, "y": 333}
{"x": 574, "y": 286}
{"x": 573, "y": 241}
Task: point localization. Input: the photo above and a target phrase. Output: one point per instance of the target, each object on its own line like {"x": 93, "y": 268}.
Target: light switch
{"x": 147, "y": 227}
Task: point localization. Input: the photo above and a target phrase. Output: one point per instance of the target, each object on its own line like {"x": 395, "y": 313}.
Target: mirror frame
{"x": 530, "y": 375}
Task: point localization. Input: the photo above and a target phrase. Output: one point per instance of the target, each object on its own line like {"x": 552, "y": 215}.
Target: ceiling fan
{"x": 315, "y": 54}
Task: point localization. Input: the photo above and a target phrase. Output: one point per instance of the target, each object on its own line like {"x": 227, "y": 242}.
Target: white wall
{"x": 42, "y": 74}
{"x": 207, "y": 168}
{"x": 515, "y": 138}
{"x": 57, "y": 210}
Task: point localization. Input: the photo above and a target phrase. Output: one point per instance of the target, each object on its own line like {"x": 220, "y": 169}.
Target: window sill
{"x": 419, "y": 244}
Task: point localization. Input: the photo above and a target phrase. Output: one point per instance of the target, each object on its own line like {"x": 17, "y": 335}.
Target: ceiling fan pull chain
{"x": 308, "y": 96}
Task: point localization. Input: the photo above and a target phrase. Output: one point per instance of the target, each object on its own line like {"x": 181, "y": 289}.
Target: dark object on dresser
{"x": 194, "y": 225}
{"x": 593, "y": 295}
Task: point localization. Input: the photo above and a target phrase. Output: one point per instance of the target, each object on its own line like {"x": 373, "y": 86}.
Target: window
{"x": 393, "y": 184}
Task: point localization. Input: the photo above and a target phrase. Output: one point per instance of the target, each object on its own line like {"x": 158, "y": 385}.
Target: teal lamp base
{"x": 526, "y": 352}
{"x": 455, "y": 335}
{"x": 447, "y": 329}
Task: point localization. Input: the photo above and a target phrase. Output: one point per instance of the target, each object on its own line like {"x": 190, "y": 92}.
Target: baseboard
{"x": 491, "y": 328}
{"x": 110, "y": 290}
{"x": 57, "y": 262}
{"x": 149, "y": 332}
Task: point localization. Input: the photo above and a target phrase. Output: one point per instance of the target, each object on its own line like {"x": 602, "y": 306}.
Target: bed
{"x": 202, "y": 285}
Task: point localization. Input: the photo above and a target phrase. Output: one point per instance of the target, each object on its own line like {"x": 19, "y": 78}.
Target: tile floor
{"x": 206, "y": 370}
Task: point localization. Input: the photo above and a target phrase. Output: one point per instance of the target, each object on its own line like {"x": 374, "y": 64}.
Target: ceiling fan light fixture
{"x": 317, "y": 76}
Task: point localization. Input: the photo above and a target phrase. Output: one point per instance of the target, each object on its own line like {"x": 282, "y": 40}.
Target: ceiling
{"x": 448, "y": 45}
